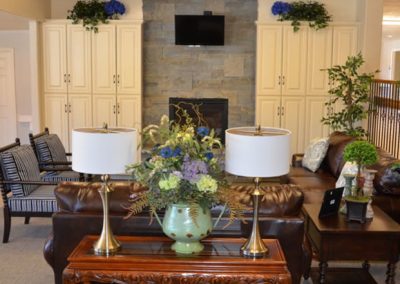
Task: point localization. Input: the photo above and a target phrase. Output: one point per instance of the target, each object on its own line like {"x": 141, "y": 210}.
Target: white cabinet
{"x": 291, "y": 88}
{"x": 117, "y": 75}
{"x": 91, "y": 78}
{"x": 284, "y": 112}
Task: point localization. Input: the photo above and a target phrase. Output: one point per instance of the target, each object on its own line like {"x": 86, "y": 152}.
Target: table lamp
{"x": 257, "y": 152}
{"x": 104, "y": 151}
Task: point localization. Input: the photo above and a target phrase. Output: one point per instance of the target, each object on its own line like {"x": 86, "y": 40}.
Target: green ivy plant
{"x": 351, "y": 88}
{"x": 313, "y": 12}
{"x": 94, "y": 12}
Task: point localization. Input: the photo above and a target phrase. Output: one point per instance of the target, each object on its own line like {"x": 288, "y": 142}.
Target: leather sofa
{"x": 387, "y": 191}
{"x": 80, "y": 214}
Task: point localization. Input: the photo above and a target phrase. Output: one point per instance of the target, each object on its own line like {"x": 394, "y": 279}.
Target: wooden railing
{"x": 384, "y": 118}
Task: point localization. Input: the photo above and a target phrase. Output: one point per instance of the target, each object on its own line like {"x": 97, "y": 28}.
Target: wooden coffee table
{"x": 150, "y": 260}
{"x": 333, "y": 238}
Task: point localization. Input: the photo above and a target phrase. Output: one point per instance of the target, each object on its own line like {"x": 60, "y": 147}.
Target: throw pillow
{"x": 315, "y": 153}
{"x": 20, "y": 164}
{"x": 50, "y": 149}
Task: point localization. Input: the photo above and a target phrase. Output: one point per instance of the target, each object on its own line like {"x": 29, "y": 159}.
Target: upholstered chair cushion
{"x": 315, "y": 153}
{"x": 20, "y": 164}
{"x": 50, "y": 149}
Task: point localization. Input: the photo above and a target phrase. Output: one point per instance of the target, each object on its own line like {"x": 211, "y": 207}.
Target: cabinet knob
{"x": 69, "y": 108}
{"x": 118, "y": 79}
{"x": 65, "y": 78}
{"x": 65, "y": 108}
{"x": 114, "y": 109}
{"x": 118, "y": 108}
{"x": 69, "y": 78}
{"x": 279, "y": 111}
{"x": 279, "y": 80}
{"x": 114, "y": 79}
{"x": 283, "y": 80}
{"x": 282, "y": 111}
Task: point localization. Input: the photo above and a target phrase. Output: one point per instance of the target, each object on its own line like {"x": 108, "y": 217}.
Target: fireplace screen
{"x": 213, "y": 112}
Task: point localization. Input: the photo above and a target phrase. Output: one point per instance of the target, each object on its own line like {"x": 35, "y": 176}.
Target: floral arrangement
{"x": 183, "y": 167}
{"x": 94, "y": 12}
{"x": 313, "y": 12}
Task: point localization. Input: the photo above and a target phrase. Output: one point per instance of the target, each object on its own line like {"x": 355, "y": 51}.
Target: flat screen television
{"x": 199, "y": 29}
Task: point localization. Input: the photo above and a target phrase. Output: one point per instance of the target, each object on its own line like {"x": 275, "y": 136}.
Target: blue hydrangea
{"x": 203, "y": 131}
{"x": 280, "y": 7}
{"x": 166, "y": 152}
{"x": 114, "y": 7}
{"x": 177, "y": 152}
{"x": 209, "y": 155}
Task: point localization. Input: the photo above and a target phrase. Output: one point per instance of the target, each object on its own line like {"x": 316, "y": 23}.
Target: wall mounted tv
{"x": 199, "y": 29}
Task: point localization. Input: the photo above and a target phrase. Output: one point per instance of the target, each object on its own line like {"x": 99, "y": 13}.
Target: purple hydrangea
{"x": 280, "y": 7}
{"x": 191, "y": 169}
{"x": 203, "y": 131}
{"x": 114, "y": 7}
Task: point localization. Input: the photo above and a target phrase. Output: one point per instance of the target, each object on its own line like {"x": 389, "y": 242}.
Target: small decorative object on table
{"x": 363, "y": 154}
{"x": 94, "y": 12}
{"x": 184, "y": 177}
{"x": 311, "y": 11}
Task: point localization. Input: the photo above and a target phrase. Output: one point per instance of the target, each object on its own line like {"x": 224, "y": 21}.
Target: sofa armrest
{"x": 297, "y": 160}
{"x": 48, "y": 250}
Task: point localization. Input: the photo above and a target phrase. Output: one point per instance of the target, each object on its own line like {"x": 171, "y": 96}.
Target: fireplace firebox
{"x": 213, "y": 112}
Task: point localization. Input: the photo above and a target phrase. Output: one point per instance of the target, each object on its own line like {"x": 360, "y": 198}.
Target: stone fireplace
{"x": 213, "y": 112}
{"x": 226, "y": 72}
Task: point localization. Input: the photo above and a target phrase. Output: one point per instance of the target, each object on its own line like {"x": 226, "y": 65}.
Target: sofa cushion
{"x": 315, "y": 153}
{"x": 314, "y": 187}
{"x": 41, "y": 200}
{"x": 20, "y": 164}
{"x": 334, "y": 161}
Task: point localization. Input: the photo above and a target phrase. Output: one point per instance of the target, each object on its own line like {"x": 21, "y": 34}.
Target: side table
{"x": 150, "y": 260}
{"x": 334, "y": 238}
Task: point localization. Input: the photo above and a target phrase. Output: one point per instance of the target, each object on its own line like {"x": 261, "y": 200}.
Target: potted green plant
{"x": 363, "y": 154}
{"x": 350, "y": 88}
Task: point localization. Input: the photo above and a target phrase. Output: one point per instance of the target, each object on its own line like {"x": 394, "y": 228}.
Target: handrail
{"x": 384, "y": 117}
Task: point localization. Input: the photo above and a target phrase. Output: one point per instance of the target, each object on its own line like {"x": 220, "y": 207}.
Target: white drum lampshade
{"x": 103, "y": 151}
{"x": 257, "y": 154}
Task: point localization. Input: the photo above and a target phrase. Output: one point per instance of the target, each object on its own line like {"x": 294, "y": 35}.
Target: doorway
{"x": 8, "y": 113}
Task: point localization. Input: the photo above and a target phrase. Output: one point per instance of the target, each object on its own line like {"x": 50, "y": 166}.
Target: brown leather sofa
{"x": 81, "y": 214}
{"x": 387, "y": 190}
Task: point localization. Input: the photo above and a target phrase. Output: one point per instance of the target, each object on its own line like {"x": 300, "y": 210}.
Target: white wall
{"x": 388, "y": 46}
{"x": 19, "y": 41}
{"x": 59, "y": 9}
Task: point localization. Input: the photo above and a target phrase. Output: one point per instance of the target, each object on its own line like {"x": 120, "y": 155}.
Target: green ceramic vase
{"x": 187, "y": 232}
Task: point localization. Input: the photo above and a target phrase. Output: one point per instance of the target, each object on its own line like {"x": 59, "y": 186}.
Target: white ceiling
{"x": 11, "y": 22}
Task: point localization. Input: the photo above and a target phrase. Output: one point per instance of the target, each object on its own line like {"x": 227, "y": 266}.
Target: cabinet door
{"x": 129, "y": 65}
{"x": 269, "y": 59}
{"x": 104, "y": 110}
{"x": 344, "y": 43}
{"x": 56, "y": 116}
{"x": 79, "y": 112}
{"x": 294, "y": 61}
{"x": 103, "y": 60}
{"x": 315, "y": 111}
{"x": 54, "y": 58}
{"x": 268, "y": 111}
{"x": 78, "y": 59}
{"x": 292, "y": 118}
{"x": 129, "y": 111}
{"x": 319, "y": 58}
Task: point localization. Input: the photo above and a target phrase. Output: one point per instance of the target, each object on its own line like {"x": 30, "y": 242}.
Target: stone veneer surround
{"x": 227, "y": 71}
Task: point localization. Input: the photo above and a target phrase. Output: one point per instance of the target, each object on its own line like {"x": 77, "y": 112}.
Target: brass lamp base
{"x": 106, "y": 244}
{"x": 254, "y": 246}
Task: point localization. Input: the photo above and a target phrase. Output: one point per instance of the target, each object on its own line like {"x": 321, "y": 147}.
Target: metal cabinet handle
{"x": 279, "y": 111}
{"x": 118, "y": 108}
{"x": 114, "y": 79}
{"x": 65, "y": 78}
{"x": 69, "y": 108}
{"x": 279, "y": 80}
{"x": 282, "y": 111}
{"x": 65, "y": 108}
{"x": 69, "y": 78}
{"x": 283, "y": 80}
{"x": 118, "y": 79}
{"x": 114, "y": 109}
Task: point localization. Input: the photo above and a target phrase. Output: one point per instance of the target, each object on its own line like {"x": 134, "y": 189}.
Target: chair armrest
{"x": 58, "y": 169}
{"x": 56, "y": 163}
{"x": 297, "y": 160}
{"x": 68, "y": 154}
{"x": 28, "y": 182}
